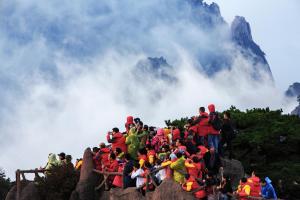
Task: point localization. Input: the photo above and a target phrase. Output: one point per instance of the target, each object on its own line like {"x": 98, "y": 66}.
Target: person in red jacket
{"x": 113, "y": 167}
{"x": 194, "y": 167}
{"x": 118, "y": 180}
{"x": 213, "y": 128}
{"x": 192, "y": 185}
{"x": 103, "y": 155}
{"x": 117, "y": 140}
{"x": 97, "y": 159}
{"x": 255, "y": 186}
{"x": 129, "y": 122}
{"x": 203, "y": 126}
{"x": 175, "y": 134}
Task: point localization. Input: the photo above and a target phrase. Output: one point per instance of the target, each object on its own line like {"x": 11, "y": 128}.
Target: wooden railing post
{"x": 18, "y": 183}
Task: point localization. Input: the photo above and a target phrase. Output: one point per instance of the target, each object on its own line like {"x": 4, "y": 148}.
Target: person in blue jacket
{"x": 267, "y": 190}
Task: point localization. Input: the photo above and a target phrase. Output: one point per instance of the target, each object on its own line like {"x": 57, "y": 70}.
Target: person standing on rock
{"x": 227, "y": 135}
{"x": 214, "y": 128}
{"x": 132, "y": 143}
{"x": 116, "y": 139}
{"x": 128, "y": 168}
{"x": 179, "y": 168}
{"x": 62, "y": 159}
{"x": 212, "y": 161}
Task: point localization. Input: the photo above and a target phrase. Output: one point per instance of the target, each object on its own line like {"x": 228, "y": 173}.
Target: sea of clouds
{"x": 67, "y": 73}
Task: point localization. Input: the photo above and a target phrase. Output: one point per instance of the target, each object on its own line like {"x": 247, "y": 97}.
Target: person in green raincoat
{"x": 179, "y": 168}
{"x": 132, "y": 142}
{"x": 52, "y": 162}
{"x": 143, "y": 136}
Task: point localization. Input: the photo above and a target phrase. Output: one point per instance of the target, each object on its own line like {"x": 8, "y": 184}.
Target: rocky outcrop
{"x": 29, "y": 192}
{"x": 169, "y": 190}
{"x": 293, "y": 90}
{"x": 85, "y": 189}
{"x": 234, "y": 169}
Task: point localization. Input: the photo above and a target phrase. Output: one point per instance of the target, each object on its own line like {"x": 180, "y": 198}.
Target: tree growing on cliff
{"x": 5, "y": 184}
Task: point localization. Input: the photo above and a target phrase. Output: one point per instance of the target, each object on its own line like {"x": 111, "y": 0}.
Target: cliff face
{"x": 242, "y": 37}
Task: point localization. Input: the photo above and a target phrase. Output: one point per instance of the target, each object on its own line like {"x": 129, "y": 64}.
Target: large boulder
{"x": 234, "y": 169}
{"x": 11, "y": 195}
{"x": 120, "y": 194}
{"x": 30, "y": 192}
{"x": 169, "y": 189}
{"x": 85, "y": 189}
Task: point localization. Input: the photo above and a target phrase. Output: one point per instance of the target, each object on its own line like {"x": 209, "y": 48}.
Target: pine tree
{"x": 4, "y": 184}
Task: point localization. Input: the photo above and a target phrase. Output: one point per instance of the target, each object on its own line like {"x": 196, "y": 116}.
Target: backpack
{"x": 216, "y": 121}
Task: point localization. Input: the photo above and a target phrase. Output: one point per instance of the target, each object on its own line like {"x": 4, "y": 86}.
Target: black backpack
{"x": 216, "y": 122}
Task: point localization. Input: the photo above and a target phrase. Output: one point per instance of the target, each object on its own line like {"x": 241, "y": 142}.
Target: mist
{"x": 67, "y": 73}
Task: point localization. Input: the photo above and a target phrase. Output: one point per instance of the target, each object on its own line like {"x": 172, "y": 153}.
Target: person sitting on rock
{"x": 254, "y": 183}
{"x": 192, "y": 185}
{"x": 267, "y": 190}
{"x": 225, "y": 189}
{"x": 244, "y": 189}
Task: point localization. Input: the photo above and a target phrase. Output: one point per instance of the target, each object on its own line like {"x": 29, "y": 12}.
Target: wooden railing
{"x": 21, "y": 173}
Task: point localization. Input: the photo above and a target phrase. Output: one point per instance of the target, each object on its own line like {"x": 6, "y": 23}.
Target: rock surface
{"x": 234, "y": 169}
{"x": 85, "y": 189}
{"x": 293, "y": 90}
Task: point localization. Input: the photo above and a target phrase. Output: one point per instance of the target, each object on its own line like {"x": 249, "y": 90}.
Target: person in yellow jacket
{"x": 244, "y": 189}
{"x": 179, "y": 168}
{"x": 78, "y": 164}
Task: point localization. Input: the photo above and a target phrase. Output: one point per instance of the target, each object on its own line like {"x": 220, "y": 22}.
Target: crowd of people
{"x": 191, "y": 156}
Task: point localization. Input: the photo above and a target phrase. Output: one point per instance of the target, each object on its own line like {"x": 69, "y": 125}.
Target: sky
{"x": 68, "y": 70}
{"x": 276, "y": 29}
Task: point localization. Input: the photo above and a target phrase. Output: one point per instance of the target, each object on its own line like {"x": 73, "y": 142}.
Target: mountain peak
{"x": 293, "y": 90}
{"x": 242, "y": 37}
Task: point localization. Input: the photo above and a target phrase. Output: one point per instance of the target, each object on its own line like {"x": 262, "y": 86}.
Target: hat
{"x": 62, "y": 154}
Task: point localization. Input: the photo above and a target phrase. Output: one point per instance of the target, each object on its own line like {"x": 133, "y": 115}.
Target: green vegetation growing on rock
{"x": 58, "y": 185}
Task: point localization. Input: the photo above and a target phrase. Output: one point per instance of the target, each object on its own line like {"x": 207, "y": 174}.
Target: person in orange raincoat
{"x": 191, "y": 184}
{"x": 244, "y": 189}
